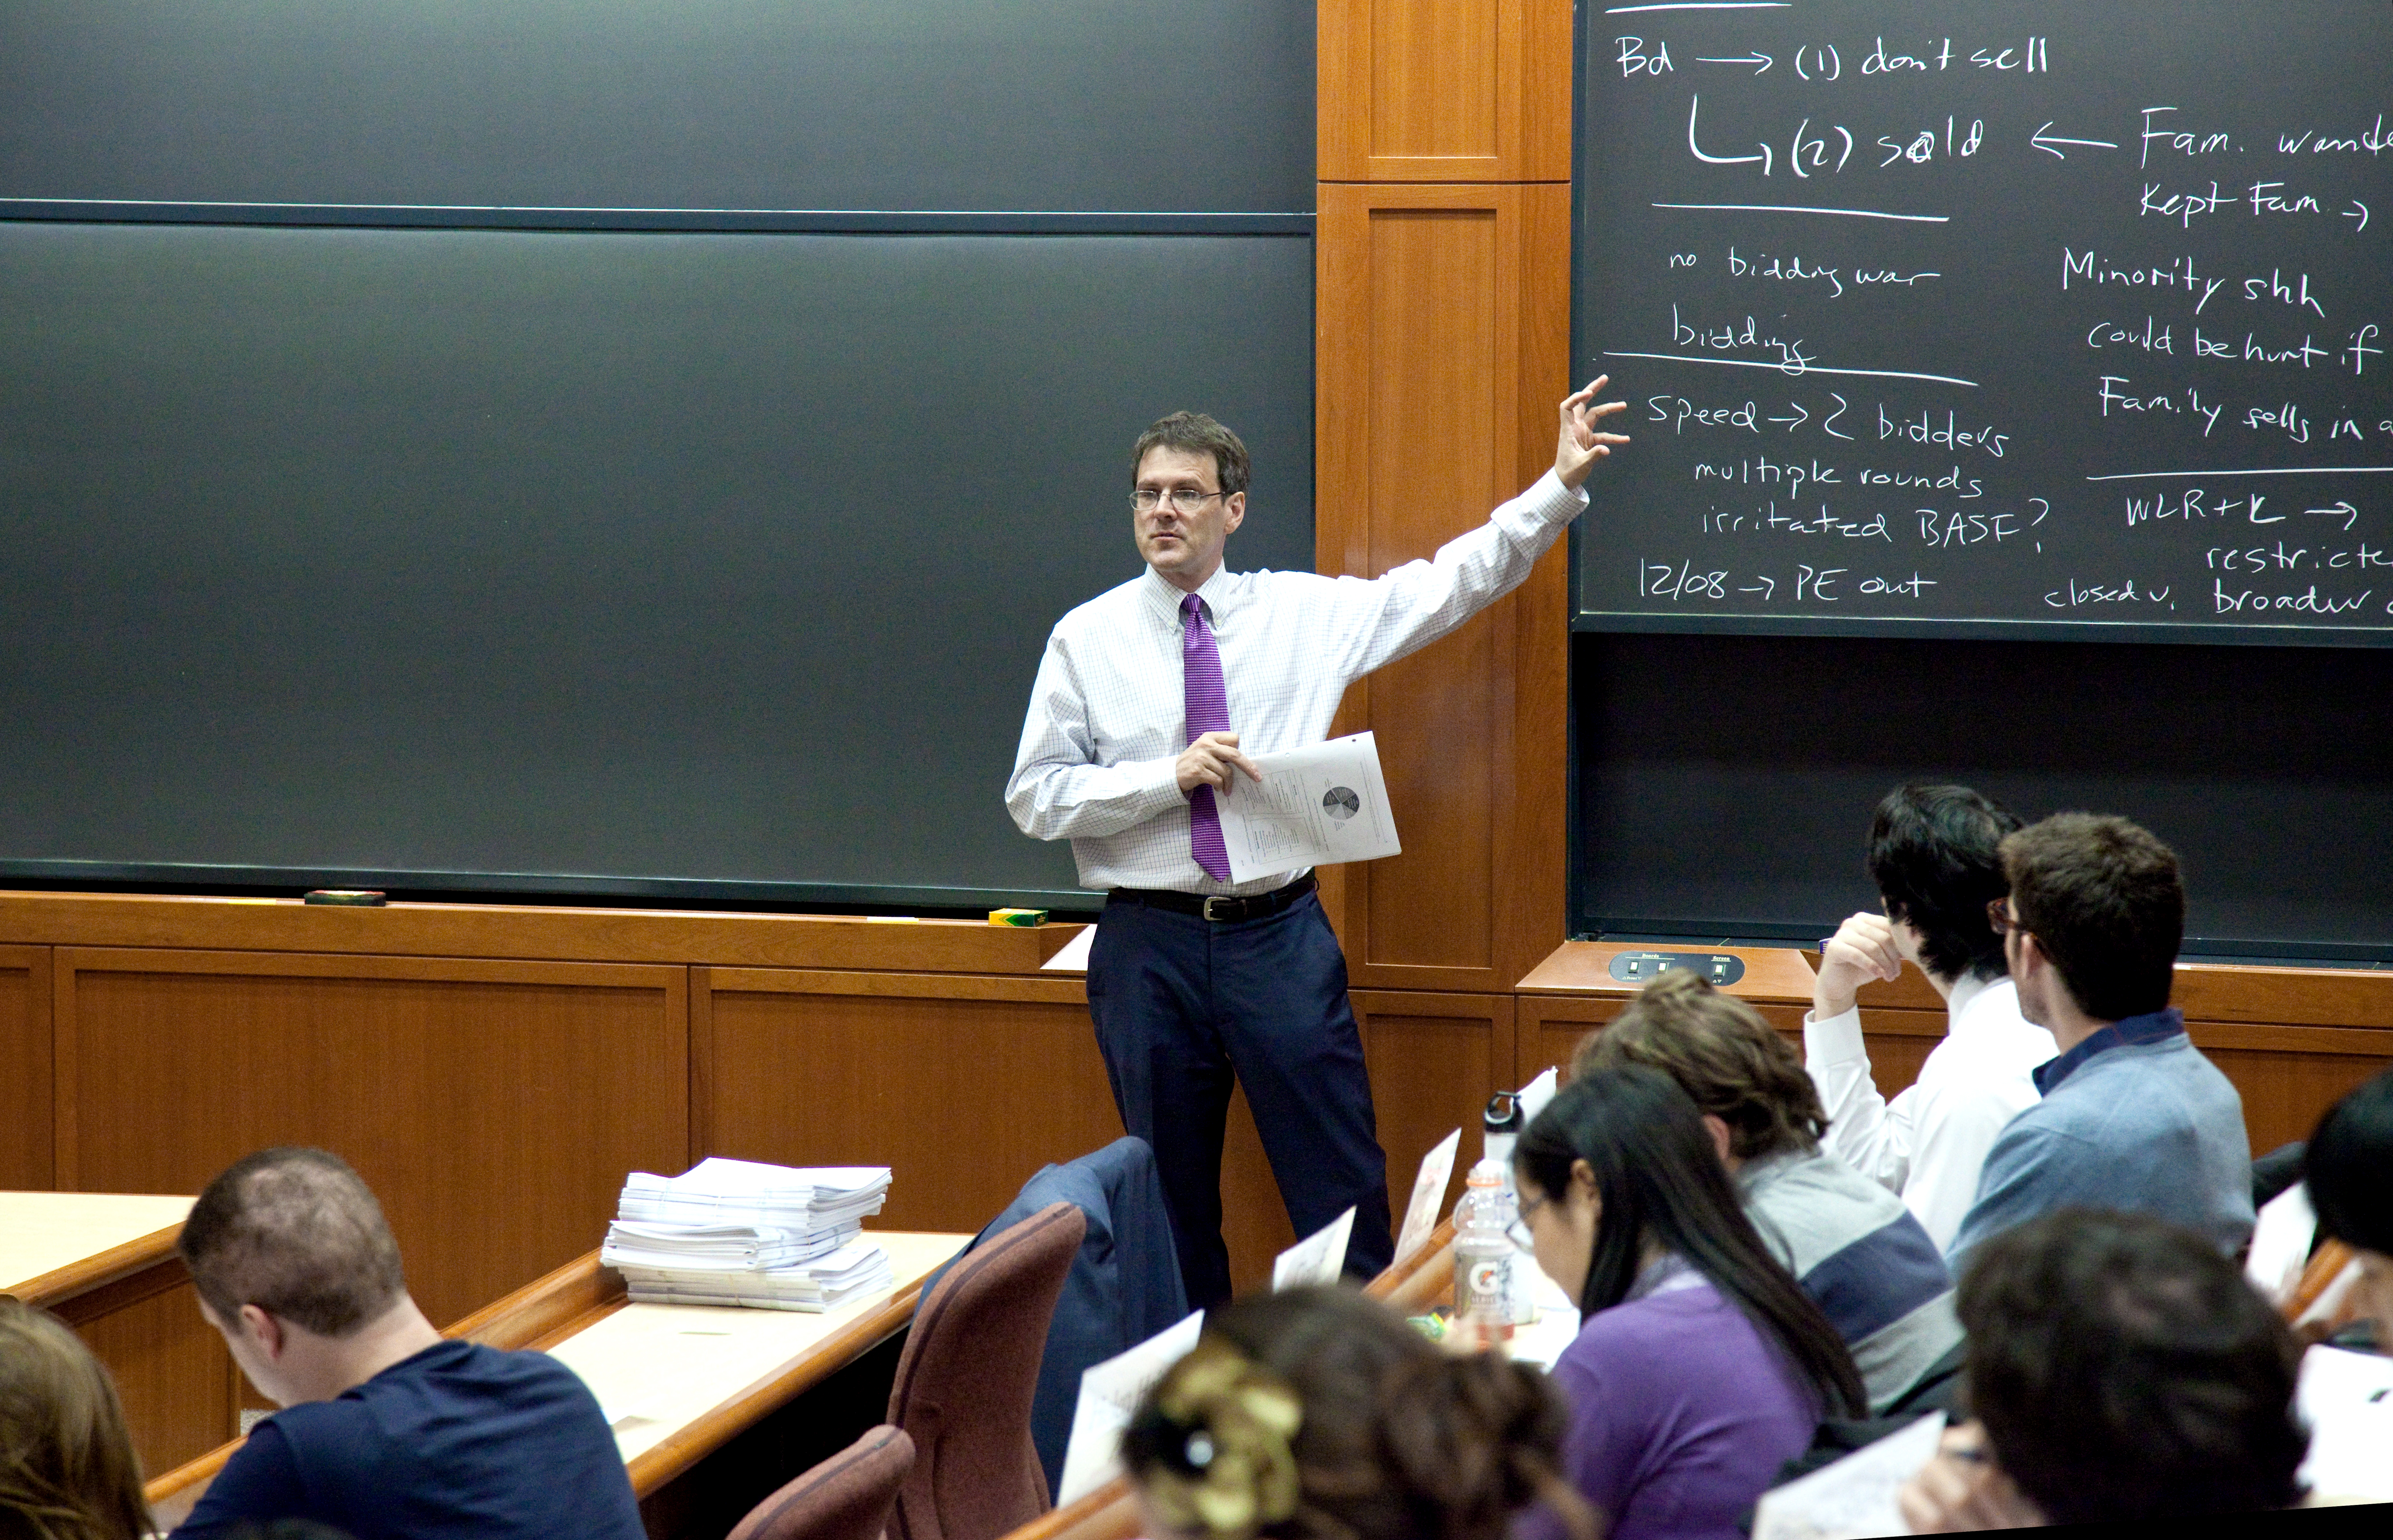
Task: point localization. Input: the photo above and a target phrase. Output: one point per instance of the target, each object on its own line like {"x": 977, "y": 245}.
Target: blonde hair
{"x": 67, "y": 1467}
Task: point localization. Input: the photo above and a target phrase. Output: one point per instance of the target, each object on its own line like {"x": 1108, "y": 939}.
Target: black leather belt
{"x": 1226, "y": 911}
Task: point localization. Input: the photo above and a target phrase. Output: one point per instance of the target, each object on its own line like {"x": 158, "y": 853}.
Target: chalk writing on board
{"x": 2043, "y": 323}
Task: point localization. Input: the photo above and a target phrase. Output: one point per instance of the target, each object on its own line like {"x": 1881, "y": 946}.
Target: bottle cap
{"x": 1503, "y": 1115}
{"x": 1487, "y": 1173}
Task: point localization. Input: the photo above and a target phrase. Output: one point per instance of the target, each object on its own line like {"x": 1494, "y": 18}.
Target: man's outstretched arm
{"x": 1383, "y": 620}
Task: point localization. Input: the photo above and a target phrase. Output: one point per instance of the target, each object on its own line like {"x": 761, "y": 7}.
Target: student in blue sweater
{"x": 2133, "y": 1117}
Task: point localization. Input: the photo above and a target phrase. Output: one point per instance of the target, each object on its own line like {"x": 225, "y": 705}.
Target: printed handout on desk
{"x": 1317, "y": 1258}
{"x": 2346, "y": 1400}
{"x": 2281, "y": 1244}
{"x": 1429, "y": 1195}
{"x": 1314, "y": 807}
{"x": 1853, "y": 1499}
{"x": 1109, "y": 1393}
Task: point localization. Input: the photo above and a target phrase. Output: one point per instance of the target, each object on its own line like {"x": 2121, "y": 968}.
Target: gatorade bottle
{"x": 1483, "y": 1260}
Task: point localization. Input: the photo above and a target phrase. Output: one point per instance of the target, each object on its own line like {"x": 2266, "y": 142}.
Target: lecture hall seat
{"x": 846, "y": 1498}
{"x": 966, "y": 1379}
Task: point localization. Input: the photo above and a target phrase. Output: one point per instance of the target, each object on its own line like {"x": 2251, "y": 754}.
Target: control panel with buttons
{"x": 1719, "y": 968}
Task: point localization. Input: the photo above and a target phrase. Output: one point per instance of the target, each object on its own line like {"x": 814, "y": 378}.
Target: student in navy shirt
{"x": 388, "y": 1428}
{"x": 1700, "y": 1367}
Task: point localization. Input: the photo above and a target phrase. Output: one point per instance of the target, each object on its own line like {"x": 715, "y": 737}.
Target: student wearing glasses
{"x": 1150, "y": 702}
{"x": 2133, "y": 1117}
{"x": 1700, "y": 1367}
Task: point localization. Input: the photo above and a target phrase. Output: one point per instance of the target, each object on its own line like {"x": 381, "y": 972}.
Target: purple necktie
{"x": 1208, "y": 703}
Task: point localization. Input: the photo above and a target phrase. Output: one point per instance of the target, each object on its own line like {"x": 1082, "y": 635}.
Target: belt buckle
{"x": 1226, "y": 915}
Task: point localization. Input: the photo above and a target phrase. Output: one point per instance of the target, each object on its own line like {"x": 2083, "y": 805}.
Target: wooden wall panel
{"x": 1551, "y": 1028}
{"x": 1427, "y": 345}
{"x": 1433, "y": 1061}
{"x": 2290, "y": 1075}
{"x": 172, "y": 1370}
{"x": 1445, "y": 90}
{"x": 26, "y": 1092}
{"x": 494, "y": 1106}
{"x": 964, "y": 1086}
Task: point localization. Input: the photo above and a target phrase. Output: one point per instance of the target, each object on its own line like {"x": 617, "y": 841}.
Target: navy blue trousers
{"x": 1182, "y": 1005}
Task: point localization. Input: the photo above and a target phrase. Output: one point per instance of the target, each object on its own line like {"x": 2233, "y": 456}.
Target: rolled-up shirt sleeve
{"x": 1058, "y": 791}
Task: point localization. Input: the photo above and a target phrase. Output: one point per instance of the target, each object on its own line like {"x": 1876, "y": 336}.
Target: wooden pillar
{"x": 1443, "y": 318}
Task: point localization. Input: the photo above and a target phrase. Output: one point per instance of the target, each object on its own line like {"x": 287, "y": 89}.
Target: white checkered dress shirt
{"x": 1107, "y": 725}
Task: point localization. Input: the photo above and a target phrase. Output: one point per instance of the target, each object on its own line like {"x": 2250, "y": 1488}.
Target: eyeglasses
{"x": 1518, "y": 1231}
{"x": 1998, "y": 915}
{"x": 1184, "y": 499}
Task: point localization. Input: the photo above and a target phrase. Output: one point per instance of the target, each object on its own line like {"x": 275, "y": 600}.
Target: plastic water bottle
{"x": 1500, "y": 1127}
{"x": 1483, "y": 1293}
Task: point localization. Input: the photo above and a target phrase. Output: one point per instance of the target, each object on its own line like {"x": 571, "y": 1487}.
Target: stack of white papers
{"x": 739, "y": 1232}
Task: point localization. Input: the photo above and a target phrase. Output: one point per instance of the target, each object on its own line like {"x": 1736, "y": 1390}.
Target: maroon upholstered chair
{"x": 966, "y": 1379}
{"x": 846, "y": 1498}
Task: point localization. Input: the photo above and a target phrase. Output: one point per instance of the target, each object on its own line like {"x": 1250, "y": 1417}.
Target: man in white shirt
{"x": 1933, "y": 853}
{"x": 1150, "y": 703}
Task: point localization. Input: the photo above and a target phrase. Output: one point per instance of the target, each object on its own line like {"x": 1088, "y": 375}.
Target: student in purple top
{"x": 1700, "y": 1366}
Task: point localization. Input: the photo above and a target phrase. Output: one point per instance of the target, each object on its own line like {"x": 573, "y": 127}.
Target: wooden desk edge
{"x": 1779, "y": 974}
{"x": 53, "y": 1288}
{"x": 694, "y": 1441}
{"x": 1111, "y": 1513}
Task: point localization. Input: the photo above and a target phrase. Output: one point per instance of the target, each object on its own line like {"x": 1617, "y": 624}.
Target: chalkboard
{"x": 1956, "y": 319}
{"x": 1725, "y": 783}
{"x": 1077, "y": 105}
{"x": 684, "y": 565}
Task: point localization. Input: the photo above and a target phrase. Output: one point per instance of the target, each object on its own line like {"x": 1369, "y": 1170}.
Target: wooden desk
{"x": 682, "y": 1383}
{"x": 105, "y": 1264}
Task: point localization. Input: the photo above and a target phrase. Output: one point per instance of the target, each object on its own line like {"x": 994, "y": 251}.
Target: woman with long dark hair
{"x": 1700, "y": 1367}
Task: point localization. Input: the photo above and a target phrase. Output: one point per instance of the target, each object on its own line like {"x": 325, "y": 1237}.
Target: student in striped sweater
{"x": 1857, "y": 1252}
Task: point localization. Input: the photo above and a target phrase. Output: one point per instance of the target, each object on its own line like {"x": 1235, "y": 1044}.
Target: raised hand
{"x": 1862, "y": 949}
{"x": 1581, "y": 445}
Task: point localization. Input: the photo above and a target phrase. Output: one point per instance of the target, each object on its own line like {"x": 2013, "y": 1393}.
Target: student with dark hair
{"x": 1934, "y": 854}
{"x": 1700, "y": 1367}
{"x": 388, "y": 1430}
{"x": 1321, "y": 1414}
{"x": 2349, "y": 1168}
{"x": 1852, "y": 1245}
{"x": 67, "y": 1467}
{"x": 2133, "y": 1117}
{"x": 2121, "y": 1370}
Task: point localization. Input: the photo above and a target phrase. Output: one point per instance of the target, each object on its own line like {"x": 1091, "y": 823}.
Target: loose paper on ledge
{"x": 1315, "y": 807}
{"x": 1429, "y": 1195}
{"x": 1109, "y": 1393}
{"x": 1317, "y": 1258}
